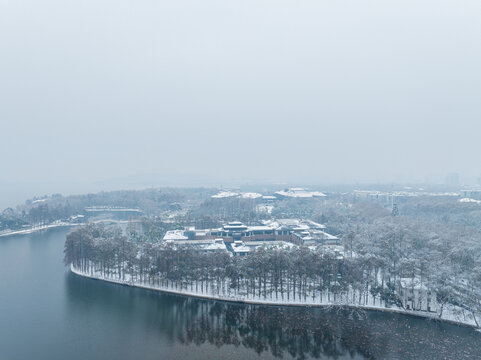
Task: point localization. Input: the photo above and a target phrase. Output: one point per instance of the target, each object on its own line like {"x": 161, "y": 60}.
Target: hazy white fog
{"x": 194, "y": 92}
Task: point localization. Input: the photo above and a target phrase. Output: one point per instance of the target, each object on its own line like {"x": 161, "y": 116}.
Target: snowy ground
{"x": 450, "y": 314}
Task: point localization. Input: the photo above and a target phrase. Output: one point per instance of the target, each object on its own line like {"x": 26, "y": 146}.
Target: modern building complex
{"x": 239, "y": 239}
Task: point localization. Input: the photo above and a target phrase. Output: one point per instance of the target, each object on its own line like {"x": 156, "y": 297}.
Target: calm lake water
{"x": 48, "y": 313}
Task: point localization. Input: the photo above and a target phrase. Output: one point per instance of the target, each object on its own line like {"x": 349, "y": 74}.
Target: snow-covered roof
{"x": 235, "y": 225}
{"x": 299, "y": 193}
{"x": 202, "y": 245}
{"x": 305, "y": 230}
{"x": 314, "y": 225}
{"x": 269, "y": 197}
{"x": 295, "y": 225}
{"x": 269, "y": 244}
{"x": 250, "y": 195}
{"x": 301, "y": 227}
{"x": 240, "y": 247}
{"x": 318, "y": 236}
{"x": 469, "y": 200}
{"x": 324, "y": 234}
{"x": 214, "y": 246}
{"x": 288, "y": 222}
{"x": 175, "y": 235}
{"x": 259, "y": 228}
{"x": 225, "y": 194}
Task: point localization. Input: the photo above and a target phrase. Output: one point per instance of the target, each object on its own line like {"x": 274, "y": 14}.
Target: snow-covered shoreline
{"x": 54, "y": 225}
{"x": 35, "y": 229}
{"x": 239, "y": 300}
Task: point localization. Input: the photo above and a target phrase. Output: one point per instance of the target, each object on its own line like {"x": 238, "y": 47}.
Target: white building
{"x": 416, "y": 296}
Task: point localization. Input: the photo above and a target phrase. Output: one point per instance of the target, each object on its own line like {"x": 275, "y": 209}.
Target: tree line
{"x": 285, "y": 275}
{"x": 267, "y": 273}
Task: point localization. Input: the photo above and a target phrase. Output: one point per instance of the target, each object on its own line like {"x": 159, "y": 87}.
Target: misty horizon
{"x": 99, "y": 96}
{"x": 19, "y": 192}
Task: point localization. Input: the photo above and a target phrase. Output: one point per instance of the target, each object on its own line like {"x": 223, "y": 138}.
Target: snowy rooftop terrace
{"x": 202, "y": 245}
{"x": 299, "y": 193}
{"x": 294, "y": 224}
{"x": 175, "y": 235}
{"x": 243, "y": 247}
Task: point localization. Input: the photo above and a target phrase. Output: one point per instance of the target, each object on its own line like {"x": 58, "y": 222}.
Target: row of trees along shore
{"x": 285, "y": 275}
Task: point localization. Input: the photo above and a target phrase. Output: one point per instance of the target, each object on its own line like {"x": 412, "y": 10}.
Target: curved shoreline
{"x": 35, "y": 229}
{"x": 59, "y": 224}
{"x": 272, "y": 303}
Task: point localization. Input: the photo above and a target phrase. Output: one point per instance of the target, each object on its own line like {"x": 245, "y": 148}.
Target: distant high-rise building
{"x": 452, "y": 180}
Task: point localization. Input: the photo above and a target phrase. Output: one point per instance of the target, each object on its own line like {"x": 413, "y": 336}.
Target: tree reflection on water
{"x": 284, "y": 332}
{"x": 333, "y": 332}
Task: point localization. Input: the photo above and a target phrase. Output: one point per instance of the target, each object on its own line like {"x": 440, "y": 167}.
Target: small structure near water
{"x": 416, "y": 296}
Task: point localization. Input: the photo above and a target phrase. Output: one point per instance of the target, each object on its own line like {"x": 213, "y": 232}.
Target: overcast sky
{"x": 311, "y": 91}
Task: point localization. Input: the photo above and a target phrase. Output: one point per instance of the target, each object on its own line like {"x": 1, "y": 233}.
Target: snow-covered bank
{"x": 35, "y": 229}
{"x": 57, "y": 224}
{"x": 451, "y": 314}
